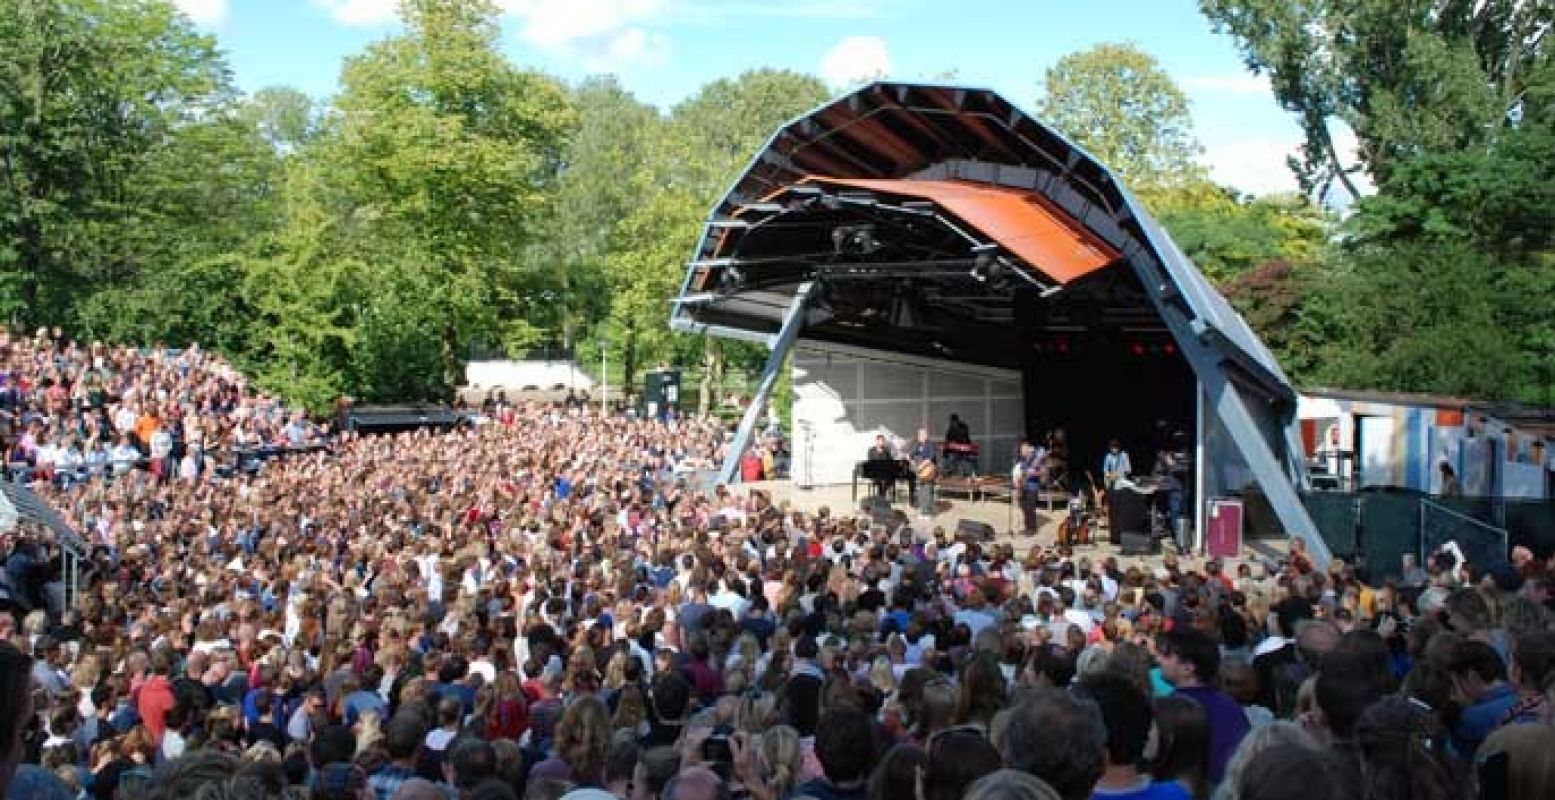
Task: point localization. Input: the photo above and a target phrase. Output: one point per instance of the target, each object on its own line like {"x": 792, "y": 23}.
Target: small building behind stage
{"x": 1359, "y": 440}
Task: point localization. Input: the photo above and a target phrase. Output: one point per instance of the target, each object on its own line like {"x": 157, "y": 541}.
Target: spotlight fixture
{"x": 990, "y": 269}
{"x": 854, "y": 240}
{"x": 982, "y": 266}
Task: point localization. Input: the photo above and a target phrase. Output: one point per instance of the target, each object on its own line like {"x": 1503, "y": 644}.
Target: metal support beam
{"x": 793, "y": 321}
{"x": 1269, "y": 467}
{"x": 685, "y": 323}
{"x": 1265, "y": 465}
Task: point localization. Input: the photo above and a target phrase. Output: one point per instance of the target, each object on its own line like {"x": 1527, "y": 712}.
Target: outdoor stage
{"x": 907, "y": 252}
{"x": 999, "y": 514}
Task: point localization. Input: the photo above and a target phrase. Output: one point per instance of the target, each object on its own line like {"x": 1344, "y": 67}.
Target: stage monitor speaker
{"x": 974, "y": 530}
{"x": 1128, "y": 512}
{"x": 1137, "y": 544}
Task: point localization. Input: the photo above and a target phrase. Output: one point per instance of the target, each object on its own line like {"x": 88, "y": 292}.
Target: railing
{"x": 1379, "y": 528}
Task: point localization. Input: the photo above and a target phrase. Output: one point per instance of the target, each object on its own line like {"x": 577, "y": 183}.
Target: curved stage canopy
{"x": 944, "y": 222}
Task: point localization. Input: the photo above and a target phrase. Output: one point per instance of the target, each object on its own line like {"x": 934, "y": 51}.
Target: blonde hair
{"x": 757, "y": 712}
{"x": 781, "y": 754}
{"x": 86, "y": 673}
{"x": 882, "y": 675}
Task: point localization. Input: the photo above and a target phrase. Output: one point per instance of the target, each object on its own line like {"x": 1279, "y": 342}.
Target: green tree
{"x": 440, "y": 154}
{"x": 1117, "y": 102}
{"x": 1422, "y": 317}
{"x": 716, "y": 131}
{"x": 712, "y": 137}
{"x": 286, "y": 118}
{"x": 1227, "y": 234}
{"x": 597, "y": 189}
{"x": 93, "y": 94}
{"x": 1408, "y": 77}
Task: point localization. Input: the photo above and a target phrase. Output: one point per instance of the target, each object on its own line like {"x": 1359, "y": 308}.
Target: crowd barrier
{"x": 1379, "y": 528}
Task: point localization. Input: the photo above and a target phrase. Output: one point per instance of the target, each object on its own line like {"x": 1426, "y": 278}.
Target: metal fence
{"x": 1379, "y": 528}
{"x": 1483, "y": 544}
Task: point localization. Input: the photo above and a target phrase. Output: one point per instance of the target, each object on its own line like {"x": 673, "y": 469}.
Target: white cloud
{"x": 604, "y": 34}
{"x": 721, "y": 12}
{"x": 1257, "y": 165}
{"x": 856, "y": 59}
{"x": 1252, "y": 165}
{"x": 1241, "y": 83}
{"x": 203, "y": 12}
{"x": 361, "y": 12}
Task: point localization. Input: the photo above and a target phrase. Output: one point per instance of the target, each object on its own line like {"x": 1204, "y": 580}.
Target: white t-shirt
{"x": 438, "y": 739}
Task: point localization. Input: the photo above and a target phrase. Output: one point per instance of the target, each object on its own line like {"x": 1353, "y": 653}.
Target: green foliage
{"x": 94, "y": 99}
{"x": 1408, "y": 77}
{"x": 1228, "y": 235}
{"x": 1117, "y": 102}
{"x": 446, "y": 197}
{"x": 1448, "y": 278}
{"x": 1423, "y": 317}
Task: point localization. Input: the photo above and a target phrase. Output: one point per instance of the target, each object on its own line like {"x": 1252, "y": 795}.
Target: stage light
{"x": 854, "y": 239}
{"x": 1063, "y": 347}
{"x": 1138, "y": 349}
{"x": 982, "y": 266}
{"x": 1170, "y": 348}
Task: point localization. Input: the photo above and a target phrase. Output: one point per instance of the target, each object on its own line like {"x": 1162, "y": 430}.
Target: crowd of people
{"x": 542, "y": 606}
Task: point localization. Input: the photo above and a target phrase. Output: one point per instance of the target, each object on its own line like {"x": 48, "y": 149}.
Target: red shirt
{"x": 750, "y": 468}
{"x": 156, "y": 699}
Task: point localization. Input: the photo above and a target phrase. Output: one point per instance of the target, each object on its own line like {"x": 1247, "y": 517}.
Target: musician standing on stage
{"x": 1028, "y": 484}
{"x": 926, "y": 469}
{"x": 1115, "y": 467}
{"x": 878, "y": 454}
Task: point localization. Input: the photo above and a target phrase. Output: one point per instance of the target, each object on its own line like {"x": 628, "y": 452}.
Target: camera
{"x": 718, "y": 755}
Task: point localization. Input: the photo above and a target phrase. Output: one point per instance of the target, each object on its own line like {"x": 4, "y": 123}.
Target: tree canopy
{"x": 1117, "y": 102}
{"x": 447, "y": 201}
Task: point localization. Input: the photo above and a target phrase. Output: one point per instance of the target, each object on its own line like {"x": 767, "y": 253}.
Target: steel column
{"x": 793, "y": 321}
{"x": 1272, "y": 471}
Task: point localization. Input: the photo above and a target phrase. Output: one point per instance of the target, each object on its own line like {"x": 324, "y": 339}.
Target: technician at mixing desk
{"x": 1115, "y": 467}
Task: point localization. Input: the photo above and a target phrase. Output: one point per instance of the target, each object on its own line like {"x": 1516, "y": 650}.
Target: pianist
{"x": 881, "y": 465}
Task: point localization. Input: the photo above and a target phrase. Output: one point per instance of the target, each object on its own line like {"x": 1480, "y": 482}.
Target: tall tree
{"x": 713, "y": 135}
{"x": 92, "y": 94}
{"x": 439, "y": 154}
{"x": 1117, "y": 102}
{"x": 1407, "y": 76}
{"x": 597, "y": 189}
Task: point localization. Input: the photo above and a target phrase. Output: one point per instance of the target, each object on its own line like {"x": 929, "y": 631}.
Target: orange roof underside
{"x": 1021, "y": 221}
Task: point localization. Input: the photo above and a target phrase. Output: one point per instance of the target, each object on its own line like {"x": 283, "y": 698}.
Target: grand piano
{"x": 890, "y": 472}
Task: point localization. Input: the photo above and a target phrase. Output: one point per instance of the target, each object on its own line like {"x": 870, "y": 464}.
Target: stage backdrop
{"x": 844, "y": 396}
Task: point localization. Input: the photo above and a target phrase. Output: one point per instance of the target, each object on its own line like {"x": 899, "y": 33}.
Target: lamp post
{"x": 604, "y": 385}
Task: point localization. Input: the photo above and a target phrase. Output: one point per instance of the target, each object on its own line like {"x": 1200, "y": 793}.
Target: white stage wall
{"x": 844, "y": 396}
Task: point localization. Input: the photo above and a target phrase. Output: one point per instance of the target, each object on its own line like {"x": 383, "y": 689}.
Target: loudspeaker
{"x": 974, "y": 530}
{"x": 1137, "y": 544}
{"x": 1127, "y": 512}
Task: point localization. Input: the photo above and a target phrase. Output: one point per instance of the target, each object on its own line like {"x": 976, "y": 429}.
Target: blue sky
{"x": 664, "y": 50}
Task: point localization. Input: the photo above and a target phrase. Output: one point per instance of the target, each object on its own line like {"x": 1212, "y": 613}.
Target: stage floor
{"x": 998, "y": 513}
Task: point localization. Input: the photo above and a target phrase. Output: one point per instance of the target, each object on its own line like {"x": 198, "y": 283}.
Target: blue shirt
{"x": 1155, "y": 790}
{"x": 1477, "y": 721}
{"x": 363, "y": 701}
